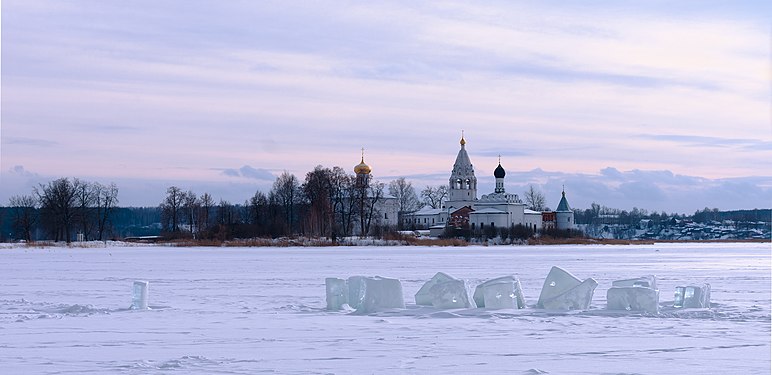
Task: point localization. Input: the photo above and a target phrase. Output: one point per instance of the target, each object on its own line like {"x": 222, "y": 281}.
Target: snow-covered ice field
{"x": 261, "y": 310}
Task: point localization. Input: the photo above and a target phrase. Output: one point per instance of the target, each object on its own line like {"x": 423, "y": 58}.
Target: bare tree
{"x": 57, "y": 200}
{"x": 342, "y": 187}
{"x": 434, "y": 196}
{"x": 205, "y": 212}
{"x": 534, "y": 199}
{"x": 368, "y": 202}
{"x": 23, "y": 215}
{"x": 286, "y": 192}
{"x": 171, "y": 208}
{"x": 407, "y": 200}
{"x": 105, "y": 202}
{"x": 258, "y": 213}
{"x": 226, "y": 214}
{"x": 405, "y": 194}
{"x": 317, "y": 189}
{"x": 190, "y": 205}
{"x": 257, "y": 205}
{"x": 84, "y": 207}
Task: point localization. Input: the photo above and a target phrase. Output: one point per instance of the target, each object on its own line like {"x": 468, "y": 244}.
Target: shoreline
{"x": 349, "y": 242}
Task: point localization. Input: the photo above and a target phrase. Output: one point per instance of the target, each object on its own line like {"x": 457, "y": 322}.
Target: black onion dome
{"x": 499, "y": 172}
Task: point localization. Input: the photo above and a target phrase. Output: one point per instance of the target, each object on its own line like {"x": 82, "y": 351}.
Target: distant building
{"x": 460, "y": 217}
{"x": 564, "y": 215}
{"x": 462, "y": 190}
{"x": 548, "y": 220}
{"x": 498, "y": 209}
{"x": 426, "y": 217}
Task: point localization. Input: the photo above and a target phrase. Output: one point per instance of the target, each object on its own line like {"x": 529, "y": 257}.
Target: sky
{"x": 628, "y": 104}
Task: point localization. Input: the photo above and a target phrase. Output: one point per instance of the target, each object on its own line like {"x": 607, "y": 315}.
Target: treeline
{"x": 598, "y": 214}
{"x": 707, "y": 215}
{"x": 63, "y": 210}
{"x": 328, "y": 202}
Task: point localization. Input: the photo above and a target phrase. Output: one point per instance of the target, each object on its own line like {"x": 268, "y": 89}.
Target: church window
{"x": 472, "y": 226}
{"x": 386, "y": 215}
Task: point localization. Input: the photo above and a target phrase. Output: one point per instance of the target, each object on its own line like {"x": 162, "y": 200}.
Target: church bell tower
{"x": 462, "y": 184}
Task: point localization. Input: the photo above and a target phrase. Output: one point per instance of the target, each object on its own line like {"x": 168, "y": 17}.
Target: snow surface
{"x": 262, "y": 310}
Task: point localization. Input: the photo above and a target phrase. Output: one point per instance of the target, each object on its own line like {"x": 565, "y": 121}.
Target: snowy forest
{"x": 327, "y": 202}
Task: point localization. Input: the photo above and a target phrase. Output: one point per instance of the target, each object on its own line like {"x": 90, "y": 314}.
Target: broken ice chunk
{"x": 633, "y": 298}
{"x": 500, "y": 296}
{"x": 692, "y": 296}
{"x": 139, "y": 295}
{"x": 648, "y": 281}
{"x": 505, "y": 293}
{"x": 563, "y": 291}
{"x": 337, "y": 293}
{"x": 356, "y": 291}
{"x": 578, "y": 298}
{"x": 423, "y": 297}
{"x": 450, "y": 294}
{"x": 639, "y": 294}
{"x": 558, "y": 281}
{"x": 379, "y": 293}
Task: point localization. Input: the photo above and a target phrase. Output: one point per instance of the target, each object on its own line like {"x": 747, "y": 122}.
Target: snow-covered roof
{"x": 500, "y": 198}
{"x": 531, "y": 212}
{"x": 427, "y": 210}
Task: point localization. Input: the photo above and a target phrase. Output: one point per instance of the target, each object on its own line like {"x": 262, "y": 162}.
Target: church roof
{"x": 362, "y": 167}
{"x": 463, "y": 211}
{"x": 463, "y": 165}
{"x": 427, "y": 210}
{"x": 500, "y": 198}
{"x": 499, "y": 172}
{"x": 563, "y": 205}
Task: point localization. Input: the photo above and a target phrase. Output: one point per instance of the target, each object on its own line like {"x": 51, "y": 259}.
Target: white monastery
{"x": 497, "y": 209}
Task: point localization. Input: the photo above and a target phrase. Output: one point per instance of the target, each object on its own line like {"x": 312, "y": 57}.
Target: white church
{"x": 498, "y": 209}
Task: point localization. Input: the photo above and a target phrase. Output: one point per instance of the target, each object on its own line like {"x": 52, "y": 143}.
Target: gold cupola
{"x": 362, "y": 167}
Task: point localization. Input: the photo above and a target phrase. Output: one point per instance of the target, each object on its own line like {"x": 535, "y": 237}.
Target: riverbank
{"x": 356, "y": 241}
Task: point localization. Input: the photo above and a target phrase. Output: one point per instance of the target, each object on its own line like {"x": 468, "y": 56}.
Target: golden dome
{"x": 362, "y": 168}
{"x": 463, "y": 142}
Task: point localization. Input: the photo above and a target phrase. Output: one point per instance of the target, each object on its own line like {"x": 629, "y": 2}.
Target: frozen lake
{"x": 261, "y": 310}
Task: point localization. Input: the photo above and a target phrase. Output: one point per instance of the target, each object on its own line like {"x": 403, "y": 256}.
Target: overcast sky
{"x": 645, "y": 104}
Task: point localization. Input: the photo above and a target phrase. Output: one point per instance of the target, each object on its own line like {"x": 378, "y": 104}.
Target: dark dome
{"x": 499, "y": 172}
